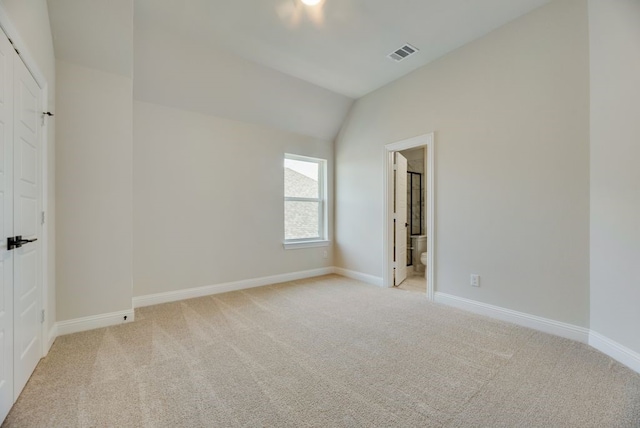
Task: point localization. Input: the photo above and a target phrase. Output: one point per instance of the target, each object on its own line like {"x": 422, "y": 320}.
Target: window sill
{"x": 305, "y": 244}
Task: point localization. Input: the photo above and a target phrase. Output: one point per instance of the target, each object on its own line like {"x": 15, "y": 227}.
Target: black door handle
{"x": 17, "y": 241}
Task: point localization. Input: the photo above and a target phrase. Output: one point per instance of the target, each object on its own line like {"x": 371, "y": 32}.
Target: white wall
{"x": 94, "y": 33}
{"x": 187, "y": 74}
{"x": 94, "y": 191}
{"x": 95, "y": 117}
{"x": 615, "y": 196}
{"x": 31, "y": 19}
{"x": 511, "y": 116}
{"x": 208, "y": 200}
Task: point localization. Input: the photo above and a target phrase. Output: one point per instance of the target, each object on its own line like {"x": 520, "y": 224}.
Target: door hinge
{"x": 395, "y": 166}
{"x": 42, "y": 316}
{"x": 44, "y": 115}
{"x": 13, "y": 46}
{"x": 42, "y": 218}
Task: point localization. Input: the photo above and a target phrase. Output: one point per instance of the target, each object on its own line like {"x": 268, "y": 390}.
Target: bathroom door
{"x": 401, "y": 220}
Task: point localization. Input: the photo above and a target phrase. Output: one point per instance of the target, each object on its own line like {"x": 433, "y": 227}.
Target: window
{"x": 304, "y": 201}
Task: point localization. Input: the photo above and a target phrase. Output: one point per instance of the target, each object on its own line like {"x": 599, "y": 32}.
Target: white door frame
{"x": 48, "y": 336}
{"x": 427, "y": 140}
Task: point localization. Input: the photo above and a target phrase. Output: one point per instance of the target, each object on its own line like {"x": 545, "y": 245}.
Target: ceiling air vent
{"x": 402, "y": 53}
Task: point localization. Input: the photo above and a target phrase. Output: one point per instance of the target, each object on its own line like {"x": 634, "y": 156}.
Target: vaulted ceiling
{"x": 341, "y": 45}
{"x": 273, "y": 62}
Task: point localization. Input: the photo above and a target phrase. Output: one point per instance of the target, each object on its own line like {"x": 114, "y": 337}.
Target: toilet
{"x": 424, "y": 260}
{"x": 418, "y": 247}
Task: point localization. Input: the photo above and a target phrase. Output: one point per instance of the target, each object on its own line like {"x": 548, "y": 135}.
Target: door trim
{"x": 48, "y": 334}
{"x": 427, "y": 140}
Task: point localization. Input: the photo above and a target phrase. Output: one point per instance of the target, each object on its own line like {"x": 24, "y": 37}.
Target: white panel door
{"x": 6, "y": 225}
{"x": 401, "y": 220}
{"x": 26, "y": 205}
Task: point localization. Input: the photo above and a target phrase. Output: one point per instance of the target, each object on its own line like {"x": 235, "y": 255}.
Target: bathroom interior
{"x": 416, "y": 220}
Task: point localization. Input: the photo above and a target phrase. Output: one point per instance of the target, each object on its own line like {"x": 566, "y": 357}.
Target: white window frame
{"x": 322, "y": 240}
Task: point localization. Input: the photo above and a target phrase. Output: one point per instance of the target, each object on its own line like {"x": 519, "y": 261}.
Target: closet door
{"x": 26, "y": 223}
{"x": 6, "y": 225}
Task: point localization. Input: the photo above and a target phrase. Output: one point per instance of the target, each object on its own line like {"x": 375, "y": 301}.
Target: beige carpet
{"x": 326, "y": 352}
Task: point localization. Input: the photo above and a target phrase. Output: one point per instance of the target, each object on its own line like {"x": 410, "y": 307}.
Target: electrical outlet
{"x": 324, "y": 254}
{"x": 475, "y": 280}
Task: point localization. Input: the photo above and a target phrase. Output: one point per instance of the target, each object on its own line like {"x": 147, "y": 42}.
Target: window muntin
{"x": 304, "y": 199}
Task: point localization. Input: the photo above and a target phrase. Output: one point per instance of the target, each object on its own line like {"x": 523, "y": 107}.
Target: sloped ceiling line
{"x": 271, "y": 62}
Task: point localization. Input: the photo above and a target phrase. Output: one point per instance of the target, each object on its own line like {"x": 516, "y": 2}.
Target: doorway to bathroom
{"x": 416, "y": 237}
{"x": 409, "y": 236}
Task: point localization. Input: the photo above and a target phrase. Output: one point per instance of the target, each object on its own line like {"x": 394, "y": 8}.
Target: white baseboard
{"x": 557, "y": 328}
{"x": 92, "y": 322}
{"x": 603, "y": 344}
{"x": 51, "y": 337}
{"x": 615, "y": 350}
{"x": 190, "y": 293}
{"x": 364, "y": 277}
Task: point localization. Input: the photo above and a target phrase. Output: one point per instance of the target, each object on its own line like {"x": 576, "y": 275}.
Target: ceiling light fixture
{"x": 311, "y": 2}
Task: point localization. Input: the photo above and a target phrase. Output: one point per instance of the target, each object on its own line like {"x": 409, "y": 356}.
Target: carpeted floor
{"x": 325, "y": 352}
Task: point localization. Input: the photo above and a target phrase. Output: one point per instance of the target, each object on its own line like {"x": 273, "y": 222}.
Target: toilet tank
{"x": 419, "y": 240}
{"x": 418, "y": 246}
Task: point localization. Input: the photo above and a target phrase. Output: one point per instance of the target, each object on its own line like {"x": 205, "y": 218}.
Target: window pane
{"x": 301, "y": 220}
{"x": 301, "y": 179}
